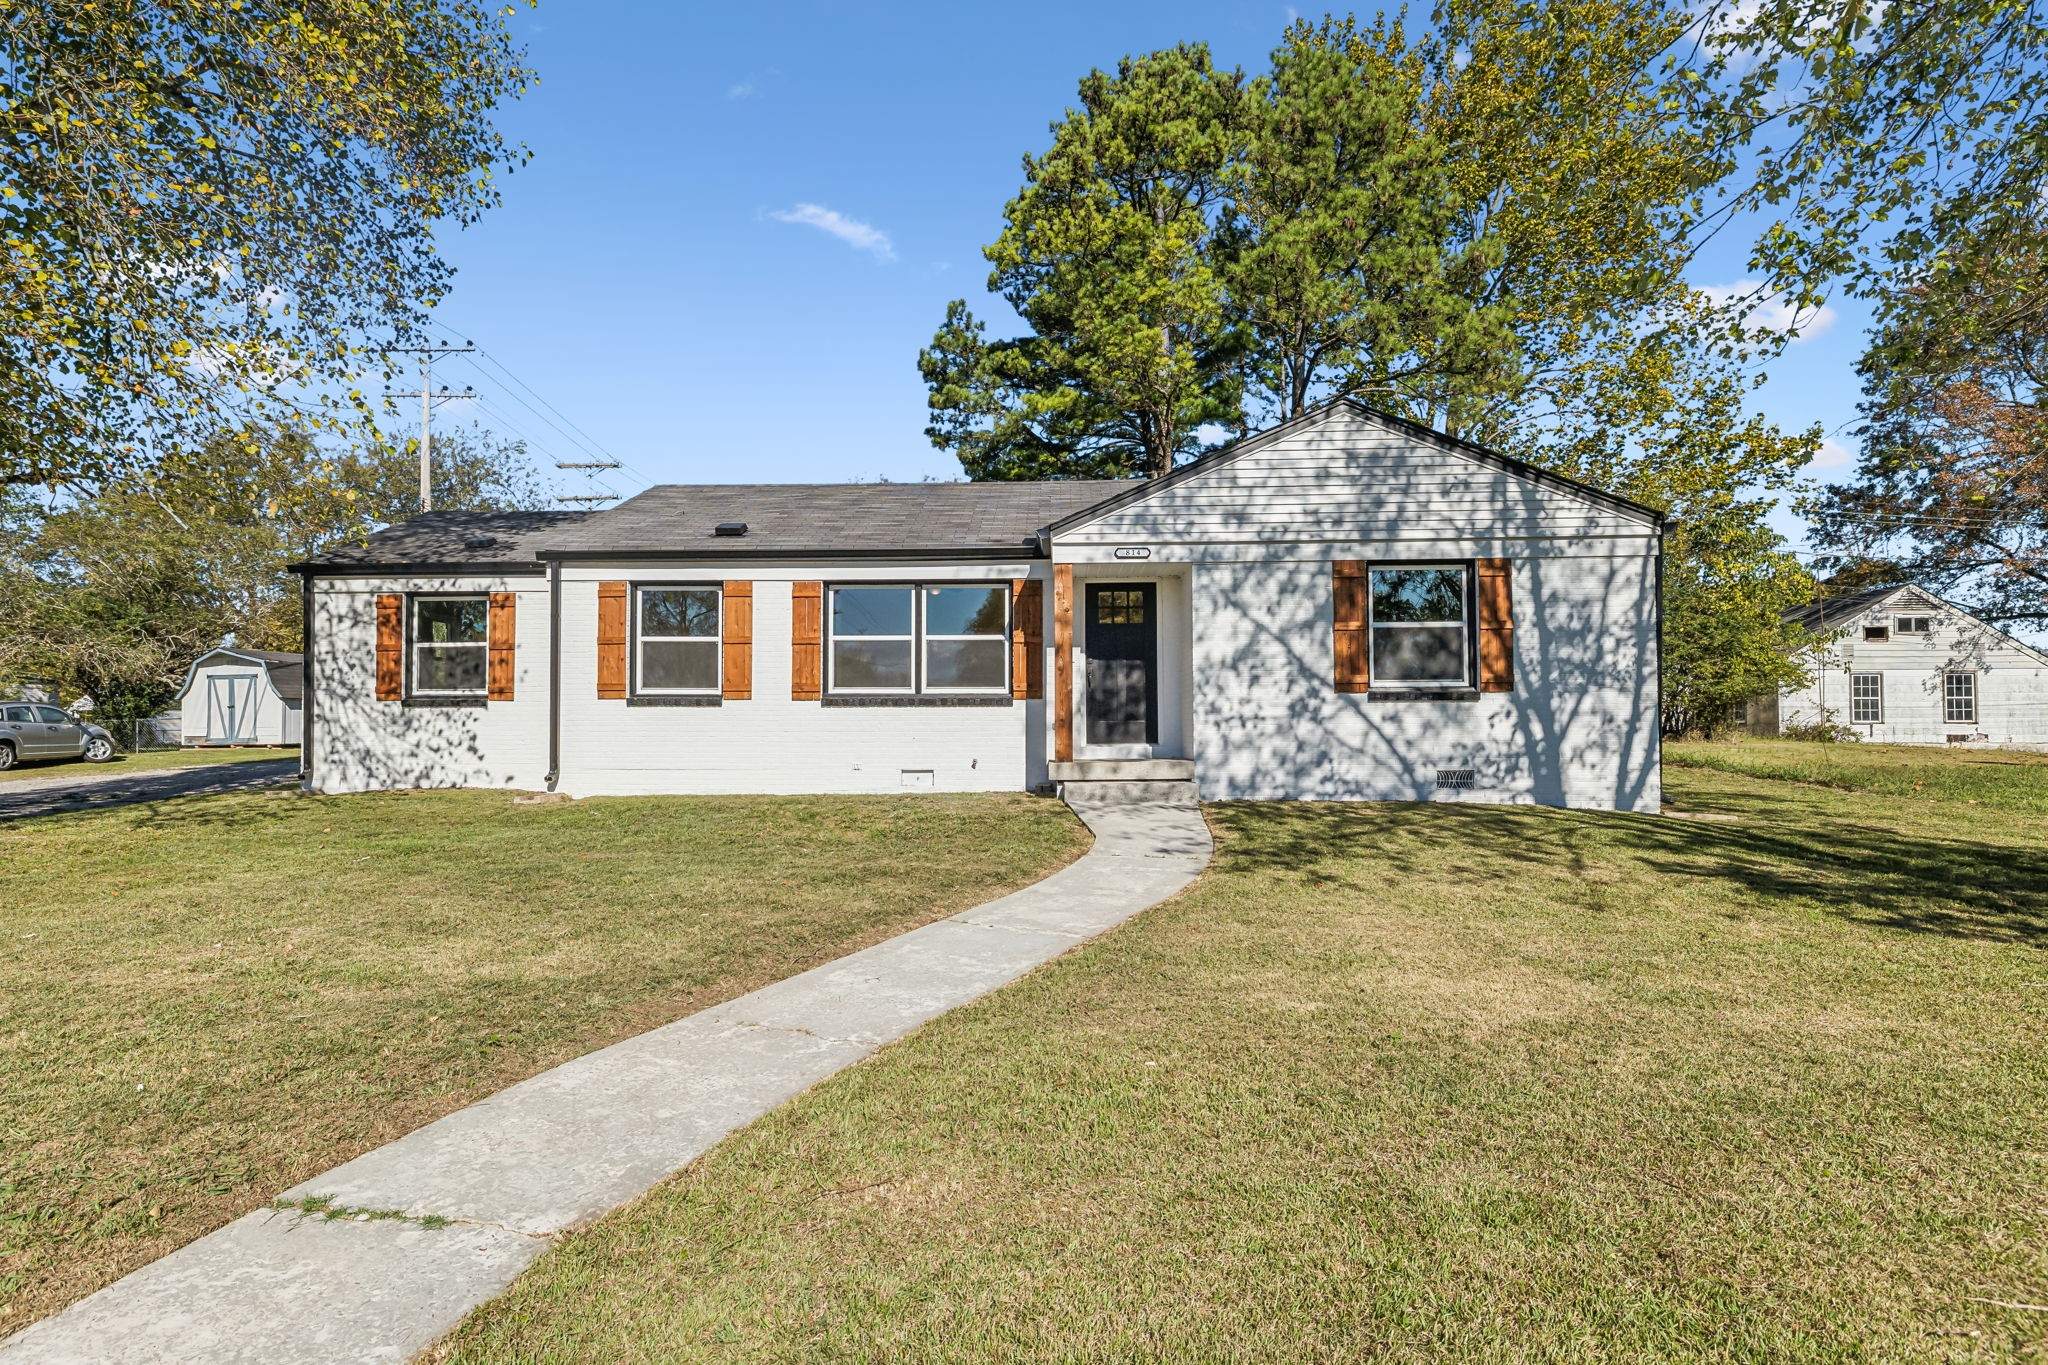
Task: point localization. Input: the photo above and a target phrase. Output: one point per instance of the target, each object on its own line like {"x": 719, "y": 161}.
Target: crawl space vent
{"x": 1456, "y": 779}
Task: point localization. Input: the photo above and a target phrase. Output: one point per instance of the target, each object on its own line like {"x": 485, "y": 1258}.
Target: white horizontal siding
{"x": 1580, "y": 728}
{"x": 1345, "y": 479}
{"x": 2012, "y": 682}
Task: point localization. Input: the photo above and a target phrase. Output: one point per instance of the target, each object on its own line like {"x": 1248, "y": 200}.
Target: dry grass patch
{"x": 152, "y": 760}
{"x": 206, "y": 1001}
{"x": 1403, "y": 1082}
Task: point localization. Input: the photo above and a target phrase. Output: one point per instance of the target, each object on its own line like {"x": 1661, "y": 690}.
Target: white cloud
{"x": 1765, "y": 309}
{"x": 739, "y": 90}
{"x": 1832, "y": 457}
{"x": 852, "y": 231}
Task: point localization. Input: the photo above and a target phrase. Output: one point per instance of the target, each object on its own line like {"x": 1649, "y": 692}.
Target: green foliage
{"x": 1728, "y": 581}
{"x": 115, "y": 595}
{"x": 1952, "y": 487}
{"x": 211, "y": 211}
{"x": 1107, "y": 254}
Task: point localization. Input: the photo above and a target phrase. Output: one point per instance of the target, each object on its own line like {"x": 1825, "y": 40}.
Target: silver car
{"x": 31, "y": 731}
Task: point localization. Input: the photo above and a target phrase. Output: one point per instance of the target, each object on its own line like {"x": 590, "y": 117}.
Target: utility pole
{"x": 428, "y": 397}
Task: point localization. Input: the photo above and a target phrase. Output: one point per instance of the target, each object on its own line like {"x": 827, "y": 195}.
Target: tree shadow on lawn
{"x": 1763, "y": 845}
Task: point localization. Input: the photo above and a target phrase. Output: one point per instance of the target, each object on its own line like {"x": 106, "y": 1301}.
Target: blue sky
{"x": 742, "y": 222}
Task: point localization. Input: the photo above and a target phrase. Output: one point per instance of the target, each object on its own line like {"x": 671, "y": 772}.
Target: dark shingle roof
{"x": 450, "y": 538}
{"x": 831, "y": 518}
{"x": 1833, "y": 612}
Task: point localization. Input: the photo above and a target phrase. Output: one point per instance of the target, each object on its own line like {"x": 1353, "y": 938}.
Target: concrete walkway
{"x": 556, "y": 1151}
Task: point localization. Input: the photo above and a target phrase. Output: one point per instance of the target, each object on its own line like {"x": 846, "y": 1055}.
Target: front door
{"x": 231, "y": 709}
{"x": 1122, "y": 623}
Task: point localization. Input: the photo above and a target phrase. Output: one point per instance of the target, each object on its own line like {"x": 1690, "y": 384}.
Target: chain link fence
{"x": 154, "y": 732}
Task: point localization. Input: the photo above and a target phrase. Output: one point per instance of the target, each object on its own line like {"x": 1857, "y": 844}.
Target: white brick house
{"x": 1345, "y": 607}
{"x": 1898, "y": 665}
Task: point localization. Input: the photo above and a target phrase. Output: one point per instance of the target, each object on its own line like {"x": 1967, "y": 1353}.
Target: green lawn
{"x": 1761, "y": 1080}
{"x": 203, "y": 1002}
{"x": 147, "y": 761}
{"x": 2013, "y": 780}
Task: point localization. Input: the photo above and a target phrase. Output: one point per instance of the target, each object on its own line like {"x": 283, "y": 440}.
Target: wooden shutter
{"x": 390, "y": 646}
{"x": 611, "y": 641}
{"x": 1353, "y": 658}
{"x": 504, "y": 638}
{"x": 739, "y": 642}
{"x": 807, "y": 641}
{"x": 1496, "y": 626}
{"x": 1063, "y": 663}
{"x": 1027, "y": 639}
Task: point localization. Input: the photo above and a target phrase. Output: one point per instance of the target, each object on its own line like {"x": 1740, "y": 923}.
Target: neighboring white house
{"x": 242, "y": 696}
{"x": 1345, "y": 607}
{"x": 1898, "y": 665}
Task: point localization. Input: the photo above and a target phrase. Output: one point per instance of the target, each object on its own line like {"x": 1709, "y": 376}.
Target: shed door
{"x": 231, "y": 708}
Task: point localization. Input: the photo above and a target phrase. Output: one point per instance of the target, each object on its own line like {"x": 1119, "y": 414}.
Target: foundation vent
{"x": 1456, "y": 779}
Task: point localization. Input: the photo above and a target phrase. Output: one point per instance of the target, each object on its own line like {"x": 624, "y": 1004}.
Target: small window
{"x": 1959, "y": 698}
{"x": 17, "y": 715}
{"x": 678, "y": 641}
{"x": 53, "y": 715}
{"x": 1866, "y": 698}
{"x": 1419, "y": 619}
{"x": 1914, "y": 625}
{"x": 966, "y": 638}
{"x": 450, "y": 639}
{"x": 1877, "y": 632}
{"x": 1120, "y": 607}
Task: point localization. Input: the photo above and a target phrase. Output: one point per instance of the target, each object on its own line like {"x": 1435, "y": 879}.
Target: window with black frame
{"x": 1420, "y": 618}
{"x": 678, "y": 633}
{"x": 450, "y": 645}
{"x": 919, "y": 639}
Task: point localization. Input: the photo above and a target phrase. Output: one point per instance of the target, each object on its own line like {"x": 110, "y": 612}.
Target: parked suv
{"x": 30, "y": 731}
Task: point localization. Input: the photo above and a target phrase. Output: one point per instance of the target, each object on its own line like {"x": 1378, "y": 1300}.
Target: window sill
{"x": 918, "y": 701}
{"x": 1423, "y": 694}
{"x": 430, "y": 703}
{"x": 676, "y": 701}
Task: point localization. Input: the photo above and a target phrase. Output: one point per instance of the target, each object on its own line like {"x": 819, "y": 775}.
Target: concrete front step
{"x": 1124, "y": 770}
{"x": 1129, "y": 793}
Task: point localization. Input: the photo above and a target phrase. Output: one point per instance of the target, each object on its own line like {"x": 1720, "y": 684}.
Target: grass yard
{"x": 205, "y": 1001}
{"x": 1763, "y": 1080}
{"x": 2009, "y": 779}
{"x": 148, "y": 761}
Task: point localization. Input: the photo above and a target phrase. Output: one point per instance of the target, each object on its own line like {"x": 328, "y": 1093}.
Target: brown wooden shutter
{"x": 1027, "y": 639}
{"x": 390, "y": 646}
{"x": 739, "y": 642}
{"x": 504, "y": 638}
{"x": 1063, "y": 663}
{"x": 1353, "y": 658}
{"x": 611, "y": 641}
{"x": 807, "y": 641}
{"x": 1496, "y": 626}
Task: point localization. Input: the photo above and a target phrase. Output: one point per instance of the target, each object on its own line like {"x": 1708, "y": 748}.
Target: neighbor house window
{"x": 1866, "y": 698}
{"x": 1420, "y": 627}
{"x": 450, "y": 646}
{"x": 678, "y": 635}
{"x": 1877, "y": 632}
{"x": 1913, "y": 625}
{"x": 1959, "y": 698}
{"x": 921, "y": 638}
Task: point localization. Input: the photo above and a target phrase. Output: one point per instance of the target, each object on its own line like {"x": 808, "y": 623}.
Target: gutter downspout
{"x": 308, "y": 690}
{"x": 554, "y": 673}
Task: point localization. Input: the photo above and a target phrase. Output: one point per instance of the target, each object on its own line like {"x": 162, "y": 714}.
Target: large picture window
{"x": 920, "y": 638}
{"x": 678, "y": 641}
{"x": 1866, "y": 698}
{"x": 1959, "y": 698}
{"x": 450, "y": 646}
{"x": 1420, "y": 619}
